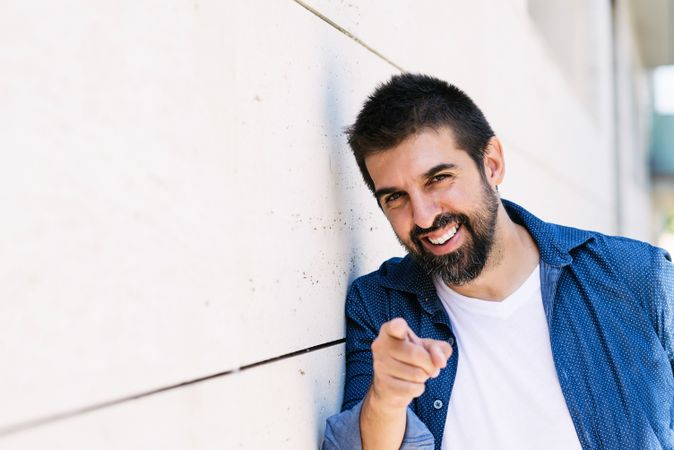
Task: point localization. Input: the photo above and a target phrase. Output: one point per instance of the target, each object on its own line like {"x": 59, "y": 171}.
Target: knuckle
{"x": 419, "y": 375}
{"x": 396, "y": 321}
{"x": 417, "y": 354}
{"x": 411, "y": 390}
{"x": 417, "y": 389}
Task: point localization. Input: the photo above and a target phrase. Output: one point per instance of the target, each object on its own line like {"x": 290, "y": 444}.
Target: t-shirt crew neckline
{"x": 499, "y": 309}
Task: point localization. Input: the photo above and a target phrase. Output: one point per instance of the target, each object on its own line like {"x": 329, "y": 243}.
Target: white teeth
{"x": 445, "y": 237}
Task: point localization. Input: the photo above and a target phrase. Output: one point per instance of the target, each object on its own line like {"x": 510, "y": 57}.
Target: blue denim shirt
{"x": 609, "y": 304}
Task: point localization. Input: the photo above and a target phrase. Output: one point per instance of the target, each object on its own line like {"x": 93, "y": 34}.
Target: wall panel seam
{"x": 41, "y": 421}
{"x": 347, "y": 33}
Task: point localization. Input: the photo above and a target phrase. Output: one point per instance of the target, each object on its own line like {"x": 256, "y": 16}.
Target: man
{"x": 498, "y": 330}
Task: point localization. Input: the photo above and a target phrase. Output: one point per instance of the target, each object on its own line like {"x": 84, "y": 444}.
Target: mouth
{"x": 445, "y": 237}
{"x": 443, "y": 241}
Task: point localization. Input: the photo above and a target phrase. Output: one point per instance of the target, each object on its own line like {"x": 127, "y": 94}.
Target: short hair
{"x": 409, "y": 103}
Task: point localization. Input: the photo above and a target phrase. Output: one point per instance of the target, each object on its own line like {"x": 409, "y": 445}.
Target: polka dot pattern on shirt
{"x": 609, "y": 302}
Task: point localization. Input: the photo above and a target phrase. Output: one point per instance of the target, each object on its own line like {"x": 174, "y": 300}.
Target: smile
{"x": 445, "y": 237}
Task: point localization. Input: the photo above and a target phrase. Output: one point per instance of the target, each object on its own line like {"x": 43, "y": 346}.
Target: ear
{"x": 494, "y": 164}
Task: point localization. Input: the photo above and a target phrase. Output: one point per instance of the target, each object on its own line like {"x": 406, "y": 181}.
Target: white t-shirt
{"x": 506, "y": 394}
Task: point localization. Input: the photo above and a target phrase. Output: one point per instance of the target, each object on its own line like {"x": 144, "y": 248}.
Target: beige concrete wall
{"x": 179, "y": 202}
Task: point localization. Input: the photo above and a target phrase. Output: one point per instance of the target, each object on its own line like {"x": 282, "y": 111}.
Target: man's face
{"x": 441, "y": 207}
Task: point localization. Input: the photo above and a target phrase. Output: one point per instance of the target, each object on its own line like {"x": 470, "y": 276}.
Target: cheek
{"x": 401, "y": 223}
{"x": 458, "y": 199}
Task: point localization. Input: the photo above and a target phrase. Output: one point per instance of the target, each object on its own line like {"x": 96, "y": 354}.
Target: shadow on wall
{"x": 343, "y": 188}
{"x": 341, "y": 162}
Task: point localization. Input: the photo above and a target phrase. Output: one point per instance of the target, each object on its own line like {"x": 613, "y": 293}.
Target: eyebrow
{"x": 439, "y": 168}
{"x": 379, "y": 193}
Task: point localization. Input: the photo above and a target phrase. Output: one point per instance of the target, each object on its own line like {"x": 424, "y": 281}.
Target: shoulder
{"x": 372, "y": 291}
{"x": 380, "y": 278}
{"x": 622, "y": 264}
{"x": 558, "y": 241}
{"x": 385, "y": 291}
{"x": 627, "y": 253}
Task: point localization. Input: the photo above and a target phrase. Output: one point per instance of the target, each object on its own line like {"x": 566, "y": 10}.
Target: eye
{"x": 391, "y": 199}
{"x": 439, "y": 177}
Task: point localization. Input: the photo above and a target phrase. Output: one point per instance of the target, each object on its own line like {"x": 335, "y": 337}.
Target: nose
{"x": 425, "y": 210}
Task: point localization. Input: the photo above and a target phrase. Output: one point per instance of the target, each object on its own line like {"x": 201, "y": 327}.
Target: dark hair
{"x": 407, "y": 104}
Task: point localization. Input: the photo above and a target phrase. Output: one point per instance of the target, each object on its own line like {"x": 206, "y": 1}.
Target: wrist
{"x": 382, "y": 424}
{"x": 384, "y": 405}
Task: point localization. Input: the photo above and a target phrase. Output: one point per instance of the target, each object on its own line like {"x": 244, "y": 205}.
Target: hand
{"x": 403, "y": 362}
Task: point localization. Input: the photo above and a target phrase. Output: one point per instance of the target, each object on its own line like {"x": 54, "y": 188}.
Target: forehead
{"x": 414, "y": 156}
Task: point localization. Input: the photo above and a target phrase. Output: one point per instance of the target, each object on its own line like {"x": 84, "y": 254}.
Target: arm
{"x": 367, "y": 400}
{"x": 381, "y": 426}
{"x": 662, "y": 301}
{"x": 342, "y": 432}
{"x": 402, "y": 363}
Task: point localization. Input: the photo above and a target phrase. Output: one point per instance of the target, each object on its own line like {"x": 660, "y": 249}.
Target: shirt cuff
{"x": 342, "y": 432}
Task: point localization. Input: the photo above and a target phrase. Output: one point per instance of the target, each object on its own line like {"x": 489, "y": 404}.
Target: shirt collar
{"x": 555, "y": 243}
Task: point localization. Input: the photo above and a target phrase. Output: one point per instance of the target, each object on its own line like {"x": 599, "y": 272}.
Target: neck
{"x": 513, "y": 257}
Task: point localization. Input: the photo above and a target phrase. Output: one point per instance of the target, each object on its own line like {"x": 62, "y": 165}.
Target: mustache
{"x": 440, "y": 221}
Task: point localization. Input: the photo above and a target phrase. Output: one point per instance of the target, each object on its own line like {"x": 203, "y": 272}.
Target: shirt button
{"x": 437, "y": 404}
{"x": 450, "y": 341}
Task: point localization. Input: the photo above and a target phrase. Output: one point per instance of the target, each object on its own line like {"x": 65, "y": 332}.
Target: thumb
{"x": 397, "y": 328}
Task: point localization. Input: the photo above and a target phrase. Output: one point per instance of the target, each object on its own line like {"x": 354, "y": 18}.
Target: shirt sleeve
{"x": 662, "y": 299}
{"x": 342, "y": 432}
{"x": 362, "y": 327}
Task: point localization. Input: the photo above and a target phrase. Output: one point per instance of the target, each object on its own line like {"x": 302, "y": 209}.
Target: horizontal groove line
{"x": 346, "y": 32}
{"x": 31, "y": 424}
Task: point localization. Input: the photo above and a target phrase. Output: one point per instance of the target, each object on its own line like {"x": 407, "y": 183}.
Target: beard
{"x": 467, "y": 262}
